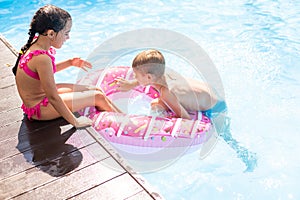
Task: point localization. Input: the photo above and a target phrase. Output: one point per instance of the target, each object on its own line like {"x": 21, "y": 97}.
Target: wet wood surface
{"x": 52, "y": 159}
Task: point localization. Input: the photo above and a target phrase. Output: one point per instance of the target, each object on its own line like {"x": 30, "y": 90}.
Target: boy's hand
{"x": 125, "y": 85}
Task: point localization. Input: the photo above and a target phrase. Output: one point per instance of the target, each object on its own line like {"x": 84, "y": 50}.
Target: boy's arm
{"x": 126, "y": 85}
{"x": 173, "y": 104}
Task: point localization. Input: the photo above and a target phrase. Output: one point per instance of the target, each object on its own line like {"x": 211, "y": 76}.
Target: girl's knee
{"x": 99, "y": 95}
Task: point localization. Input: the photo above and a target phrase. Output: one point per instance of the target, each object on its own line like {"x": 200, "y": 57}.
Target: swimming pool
{"x": 255, "y": 46}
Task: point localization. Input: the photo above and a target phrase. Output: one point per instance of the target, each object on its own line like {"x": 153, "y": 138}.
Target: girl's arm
{"x": 44, "y": 69}
{"x": 173, "y": 104}
{"x": 77, "y": 62}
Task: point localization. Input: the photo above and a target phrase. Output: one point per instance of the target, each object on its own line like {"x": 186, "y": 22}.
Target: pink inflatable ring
{"x": 136, "y": 129}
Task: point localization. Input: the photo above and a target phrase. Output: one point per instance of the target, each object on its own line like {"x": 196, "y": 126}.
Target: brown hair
{"x": 48, "y": 17}
{"x": 150, "y": 61}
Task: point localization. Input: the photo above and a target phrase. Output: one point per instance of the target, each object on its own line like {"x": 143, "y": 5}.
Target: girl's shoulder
{"x": 39, "y": 55}
{"x": 35, "y": 52}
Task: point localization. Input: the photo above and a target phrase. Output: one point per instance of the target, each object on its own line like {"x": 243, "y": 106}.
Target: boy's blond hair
{"x": 150, "y": 61}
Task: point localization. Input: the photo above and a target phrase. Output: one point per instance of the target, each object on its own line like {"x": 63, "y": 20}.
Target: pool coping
{"x": 107, "y": 146}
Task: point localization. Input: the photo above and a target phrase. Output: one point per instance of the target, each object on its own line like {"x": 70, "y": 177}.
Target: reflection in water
{"x": 43, "y": 144}
{"x": 249, "y": 158}
{"x": 222, "y": 127}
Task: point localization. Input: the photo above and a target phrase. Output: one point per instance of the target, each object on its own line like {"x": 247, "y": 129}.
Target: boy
{"x": 180, "y": 95}
{"x": 177, "y": 93}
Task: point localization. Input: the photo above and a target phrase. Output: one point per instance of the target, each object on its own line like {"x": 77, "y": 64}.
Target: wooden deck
{"x": 53, "y": 160}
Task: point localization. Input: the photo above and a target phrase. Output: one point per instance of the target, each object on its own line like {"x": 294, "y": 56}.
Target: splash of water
{"x": 248, "y": 158}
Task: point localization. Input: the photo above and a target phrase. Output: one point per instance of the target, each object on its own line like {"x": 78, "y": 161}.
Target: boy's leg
{"x": 219, "y": 127}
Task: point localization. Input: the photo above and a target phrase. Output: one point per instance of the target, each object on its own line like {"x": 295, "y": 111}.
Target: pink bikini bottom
{"x": 36, "y": 110}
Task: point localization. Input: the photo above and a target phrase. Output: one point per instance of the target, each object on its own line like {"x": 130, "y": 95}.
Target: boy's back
{"x": 191, "y": 93}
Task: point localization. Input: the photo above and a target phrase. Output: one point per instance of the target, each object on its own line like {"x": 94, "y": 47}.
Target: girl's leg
{"x": 69, "y": 87}
{"x": 78, "y": 100}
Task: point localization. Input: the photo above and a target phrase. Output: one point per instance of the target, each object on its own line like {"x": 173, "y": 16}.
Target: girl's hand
{"x": 82, "y": 122}
{"x": 83, "y": 64}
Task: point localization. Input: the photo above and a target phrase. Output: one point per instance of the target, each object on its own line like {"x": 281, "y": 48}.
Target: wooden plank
{"x": 8, "y": 148}
{"x": 31, "y": 140}
{"x": 10, "y": 116}
{"x": 143, "y": 195}
{"x": 120, "y": 187}
{"x": 77, "y": 161}
{"x": 22, "y": 127}
{"x": 137, "y": 177}
{"x": 6, "y": 64}
{"x": 7, "y": 61}
{"x": 9, "y": 99}
{"x": 7, "y": 81}
{"x": 75, "y": 183}
{"x": 41, "y": 155}
{"x": 10, "y": 131}
{"x": 29, "y": 126}
{"x": 9, "y": 92}
{"x": 9, "y": 104}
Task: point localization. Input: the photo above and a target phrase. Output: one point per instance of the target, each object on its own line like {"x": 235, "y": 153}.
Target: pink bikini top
{"x": 26, "y": 58}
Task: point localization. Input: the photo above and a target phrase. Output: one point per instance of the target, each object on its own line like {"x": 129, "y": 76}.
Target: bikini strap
{"x": 26, "y": 58}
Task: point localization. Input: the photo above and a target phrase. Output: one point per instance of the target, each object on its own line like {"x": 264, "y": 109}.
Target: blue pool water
{"x": 254, "y": 44}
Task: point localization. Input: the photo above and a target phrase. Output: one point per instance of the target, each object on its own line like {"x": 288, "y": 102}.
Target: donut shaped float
{"x": 140, "y": 129}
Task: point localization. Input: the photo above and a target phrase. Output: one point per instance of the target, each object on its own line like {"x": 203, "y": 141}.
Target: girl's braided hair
{"x": 48, "y": 17}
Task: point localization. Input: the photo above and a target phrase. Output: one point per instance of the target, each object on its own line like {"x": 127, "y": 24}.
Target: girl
{"x": 34, "y": 69}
